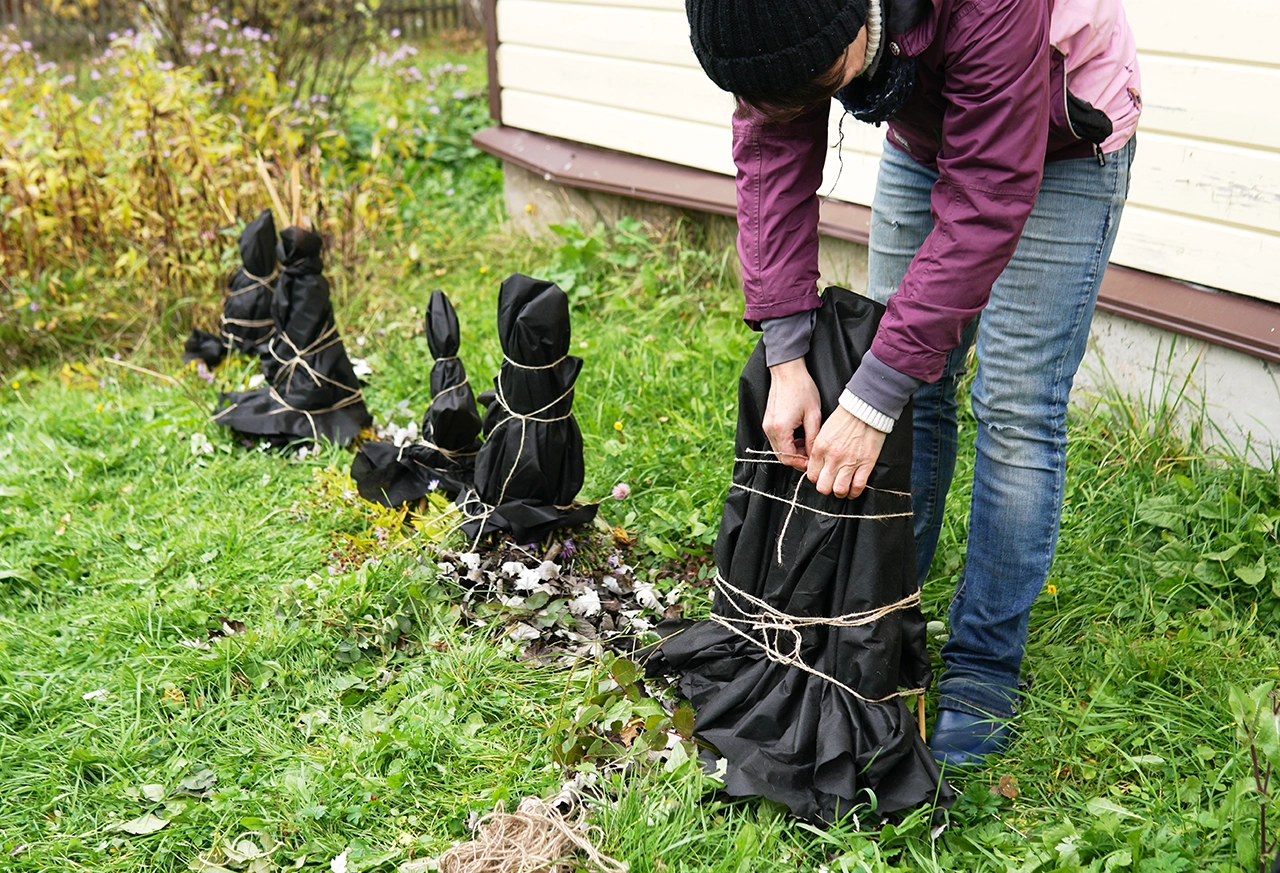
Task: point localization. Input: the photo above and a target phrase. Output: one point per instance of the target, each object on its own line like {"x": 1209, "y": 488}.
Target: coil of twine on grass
{"x": 541, "y": 836}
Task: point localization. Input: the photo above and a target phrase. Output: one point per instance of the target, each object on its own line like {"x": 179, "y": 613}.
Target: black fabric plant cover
{"x": 530, "y": 468}
{"x": 819, "y": 727}
{"x": 246, "y": 313}
{"x": 311, "y": 390}
{"x": 445, "y": 456}
{"x": 246, "y": 310}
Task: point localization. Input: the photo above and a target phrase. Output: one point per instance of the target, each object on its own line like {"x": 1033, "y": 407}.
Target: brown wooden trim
{"x": 597, "y": 169}
{"x": 491, "y": 56}
{"x": 1242, "y": 323}
{"x": 1231, "y": 320}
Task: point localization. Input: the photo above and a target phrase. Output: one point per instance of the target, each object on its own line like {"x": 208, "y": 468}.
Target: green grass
{"x": 356, "y": 712}
{"x": 117, "y": 544}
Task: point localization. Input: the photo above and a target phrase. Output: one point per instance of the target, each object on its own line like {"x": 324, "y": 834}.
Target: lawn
{"x": 230, "y": 643}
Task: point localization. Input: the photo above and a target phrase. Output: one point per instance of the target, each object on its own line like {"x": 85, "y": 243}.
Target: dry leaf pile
{"x": 571, "y": 596}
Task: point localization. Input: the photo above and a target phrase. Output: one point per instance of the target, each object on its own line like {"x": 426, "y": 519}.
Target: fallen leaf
{"x": 153, "y": 792}
{"x": 1006, "y": 787}
{"x": 143, "y": 825}
{"x": 339, "y": 864}
{"x": 227, "y": 627}
{"x": 197, "y": 784}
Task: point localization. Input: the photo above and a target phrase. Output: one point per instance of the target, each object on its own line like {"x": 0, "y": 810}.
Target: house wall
{"x": 1205, "y": 198}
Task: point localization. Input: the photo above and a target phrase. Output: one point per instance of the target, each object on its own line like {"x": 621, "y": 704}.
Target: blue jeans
{"x": 1030, "y": 340}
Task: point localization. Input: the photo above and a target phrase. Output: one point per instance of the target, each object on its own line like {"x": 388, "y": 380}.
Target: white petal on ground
{"x": 361, "y": 368}
{"x": 96, "y": 694}
{"x": 513, "y": 568}
{"x": 586, "y": 605}
{"x": 524, "y": 633}
{"x": 256, "y": 380}
{"x": 611, "y": 584}
{"x": 648, "y": 598}
{"x": 339, "y": 864}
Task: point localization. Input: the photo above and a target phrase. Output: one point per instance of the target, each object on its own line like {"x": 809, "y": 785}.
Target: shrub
{"x": 121, "y": 193}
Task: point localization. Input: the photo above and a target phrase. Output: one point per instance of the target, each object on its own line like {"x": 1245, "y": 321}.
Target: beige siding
{"x": 1205, "y": 200}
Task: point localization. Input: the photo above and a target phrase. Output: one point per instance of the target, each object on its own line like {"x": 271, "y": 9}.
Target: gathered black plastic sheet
{"x": 311, "y": 390}
{"x": 801, "y": 677}
{"x": 246, "y": 310}
{"x": 444, "y": 457}
{"x": 530, "y": 468}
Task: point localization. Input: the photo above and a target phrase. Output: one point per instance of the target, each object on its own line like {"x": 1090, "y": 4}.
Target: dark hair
{"x": 793, "y": 104}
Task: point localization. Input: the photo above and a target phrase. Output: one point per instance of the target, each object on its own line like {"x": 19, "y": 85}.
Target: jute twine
{"x": 768, "y": 626}
{"x": 486, "y": 510}
{"x": 291, "y": 365}
{"x": 539, "y": 837}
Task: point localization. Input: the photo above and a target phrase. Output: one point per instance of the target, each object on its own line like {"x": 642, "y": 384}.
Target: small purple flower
{"x": 203, "y": 372}
{"x": 621, "y": 491}
{"x": 459, "y": 95}
{"x": 569, "y": 549}
{"x": 94, "y": 75}
{"x": 615, "y": 560}
{"x": 33, "y": 306}
{"x": 395, "y": 33}
{"x": 433, "y": 485}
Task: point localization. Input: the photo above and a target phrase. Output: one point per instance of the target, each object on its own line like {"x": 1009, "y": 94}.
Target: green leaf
{"x": 683, "y": 720}
{"x": 624, "y": 672}
{"x": 1100, "y": 806}
{"x": 1253, "y": 574}
{"x": 1165, "y": 511}
{"x": 1224, "y": 555}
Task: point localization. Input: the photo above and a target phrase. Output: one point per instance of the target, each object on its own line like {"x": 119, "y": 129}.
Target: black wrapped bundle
{"x": 203, "y": 346}
{"x": 311, "y": 390}
{"x": 445, "y": 457}
{"x": 530, "y": 468}
{"x": 246, "y": 310}
{"x": 246, "y": 313}
{"x": 816, "y": 632}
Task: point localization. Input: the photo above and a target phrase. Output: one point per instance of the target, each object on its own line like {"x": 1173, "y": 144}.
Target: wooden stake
{"x": 271, "y": 190}
{"x": 920, "y": 713}
{"x": 295, "y": 192}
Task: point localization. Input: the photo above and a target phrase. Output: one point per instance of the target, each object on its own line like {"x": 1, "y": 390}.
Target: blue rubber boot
{"x": 963, "y": 741}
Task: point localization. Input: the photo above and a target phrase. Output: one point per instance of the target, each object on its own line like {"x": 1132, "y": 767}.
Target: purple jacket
{"x": 988, "y": 110}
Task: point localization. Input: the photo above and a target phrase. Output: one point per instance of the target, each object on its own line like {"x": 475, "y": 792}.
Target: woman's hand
{"x": 844, "y": 454}
{"x": 793, "y": 404}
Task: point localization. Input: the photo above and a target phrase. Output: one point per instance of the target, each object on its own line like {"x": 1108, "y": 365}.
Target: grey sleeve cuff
{"x": 881, "y": 387}
{"x": 787, "y": 338}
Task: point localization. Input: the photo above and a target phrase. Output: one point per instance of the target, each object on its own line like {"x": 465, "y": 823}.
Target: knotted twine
{"x": 541, "y": 836}
{"x": 472, "y": 497}
{"x": 770, "y": 624}
{"x": 289, "y": 366}
{"x": 249, "y": 323}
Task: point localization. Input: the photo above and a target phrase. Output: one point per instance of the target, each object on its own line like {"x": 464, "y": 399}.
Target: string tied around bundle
{"x": 258, "y": 282}
{"x": 793, "y": 502}
{"x": 770, "y": 624}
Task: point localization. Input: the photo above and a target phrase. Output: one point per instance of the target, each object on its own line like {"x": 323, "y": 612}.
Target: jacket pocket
{"x": 1072, "y": 120}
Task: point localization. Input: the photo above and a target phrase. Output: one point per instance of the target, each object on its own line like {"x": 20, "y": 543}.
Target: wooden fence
{"x": 74, "y": 23}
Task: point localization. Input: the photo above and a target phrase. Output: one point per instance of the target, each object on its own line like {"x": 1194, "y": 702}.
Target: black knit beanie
{"x": 763, "y": 49}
